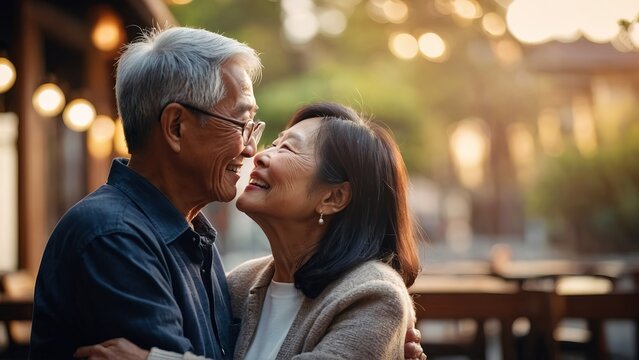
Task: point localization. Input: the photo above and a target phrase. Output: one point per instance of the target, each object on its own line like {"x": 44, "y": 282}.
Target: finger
{"x": 413, "y": 335}
{"x": 85, "y": 351}
{"x": 423, "y": 357}
{"x": 418, "y": 336}
{"x": 412, "y": 350}
{"x": 111, "y": 342}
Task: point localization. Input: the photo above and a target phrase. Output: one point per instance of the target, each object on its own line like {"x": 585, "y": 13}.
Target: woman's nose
{"x": 262, "y": 158}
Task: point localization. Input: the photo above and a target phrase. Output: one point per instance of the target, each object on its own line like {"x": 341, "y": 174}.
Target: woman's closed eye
{"x": 281, "y": 146}
{"x": 286, "y": 147}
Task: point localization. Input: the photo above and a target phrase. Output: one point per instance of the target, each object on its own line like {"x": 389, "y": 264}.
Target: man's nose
{"x": 250, "y": 149}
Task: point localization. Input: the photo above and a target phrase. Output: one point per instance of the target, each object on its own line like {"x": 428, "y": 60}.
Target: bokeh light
{"x": 432, "y": 46}
{"x": 107, "y": 33}
{"x": 538, "y": 21}
{"x": 7, "y": 74}
{"x": 301, "y": 27}
{"x": 396, "y": 11}
{"x": 100, "y": 137}
{"x": 469, "y": 145}
{"x": 48, "y": 100}
{"x": 524, "y": 19}
{"x": 78, "y": 115}
{"x": 332, "y": 22}
{"x": 493, "y": 24}
{"x": 467, "y": 9}
{"x": 403, "y": 45}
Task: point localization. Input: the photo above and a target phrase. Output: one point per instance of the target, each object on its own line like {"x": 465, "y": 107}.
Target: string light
{"x": 7, "y": 74}
{"x": 78, "y": 115}
{"x": 48, "y": 100}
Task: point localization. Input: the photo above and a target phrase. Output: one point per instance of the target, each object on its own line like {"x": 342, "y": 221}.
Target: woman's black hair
{"x": 376, "y": 224}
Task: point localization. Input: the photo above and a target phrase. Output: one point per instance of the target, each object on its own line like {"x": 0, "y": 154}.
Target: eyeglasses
{"x": 250, "y": 129}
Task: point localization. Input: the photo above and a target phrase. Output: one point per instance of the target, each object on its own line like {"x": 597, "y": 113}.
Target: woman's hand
{"x": 113, "y": 349}
{"x": 412, "y": 346}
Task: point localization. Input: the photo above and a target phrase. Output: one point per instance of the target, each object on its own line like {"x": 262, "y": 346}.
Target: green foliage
{"x": 594, "y": 198}
{"x": 416, "y": 98}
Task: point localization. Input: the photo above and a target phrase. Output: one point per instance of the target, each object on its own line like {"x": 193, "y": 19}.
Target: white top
{"x": 280, "y": 307}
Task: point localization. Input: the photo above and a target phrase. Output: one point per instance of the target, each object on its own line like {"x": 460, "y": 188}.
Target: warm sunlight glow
{"x": 375, "y": 10}
{"x": 523, "y": 19}
{"x": 575, "y": 285}
{"x": 537, "y": 21}
{"x": 549, "y": 127}
{"x": 78, "y": 115}
{"x": 599, "y": 20}
{"x": 100, "y": 137}
{"x": 396, "y": 11}
{"x": 119, "y": 141}
{"x": 469, "y": 146}
{"x": 48, "y": 100}
{"x": 332, "y": 22}
{"x": 403, "y": 45}
{"x": 444, "y": 7}
{"x": 583, "y": 126}
{"x": 432, "y": 46}
{"x": 107, "y": 33}
{"x": 180, "y": 2}
{"x": 467, "y": 9}
{"x": 493, "y": 24}
{"x": 561, "y": 19}
{"x": 522, "y": 149}
{"x": 296, "y": 6}
{"x": 301, "y": 27}
{"x": 508, "y": 52}
{"x": 7, "y": 75}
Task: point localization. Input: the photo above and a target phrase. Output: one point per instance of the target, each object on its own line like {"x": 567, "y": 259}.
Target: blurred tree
{"x": 592, "y": 203}
{"x": 416, "y": 98}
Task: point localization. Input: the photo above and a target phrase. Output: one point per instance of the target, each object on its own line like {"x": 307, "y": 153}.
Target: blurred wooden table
{"x": 12, "y": 308}
{"x": 480, "y": 298}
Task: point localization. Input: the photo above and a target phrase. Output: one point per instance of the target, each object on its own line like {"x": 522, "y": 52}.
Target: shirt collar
{"x": 165, "y": 217}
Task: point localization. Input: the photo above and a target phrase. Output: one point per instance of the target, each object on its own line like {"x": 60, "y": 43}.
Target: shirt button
{"x": 203, "y": 270}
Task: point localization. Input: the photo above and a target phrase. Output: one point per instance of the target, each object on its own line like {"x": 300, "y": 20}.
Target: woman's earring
{"x": 321, "y": 219}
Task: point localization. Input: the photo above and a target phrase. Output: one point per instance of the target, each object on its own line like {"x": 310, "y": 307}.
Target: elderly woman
{"x": 331, "y": 196}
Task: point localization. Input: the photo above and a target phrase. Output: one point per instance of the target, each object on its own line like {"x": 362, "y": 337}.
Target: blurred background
{"x": 518, "y": 121}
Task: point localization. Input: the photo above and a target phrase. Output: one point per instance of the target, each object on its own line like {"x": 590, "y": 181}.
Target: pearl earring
{"x": 321, "y": 219}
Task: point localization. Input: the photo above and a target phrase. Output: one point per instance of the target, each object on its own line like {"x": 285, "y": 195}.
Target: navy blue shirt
{"x": 124, "y": 262}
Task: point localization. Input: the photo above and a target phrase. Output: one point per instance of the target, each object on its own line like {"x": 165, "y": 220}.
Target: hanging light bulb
{"x": 7, "y": 75}
{"x": 107, "y": 33}
{"x": 48, "y": 100}
{"x": 78, "y": 115}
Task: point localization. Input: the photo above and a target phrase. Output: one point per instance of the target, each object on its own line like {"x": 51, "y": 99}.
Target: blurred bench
{"x": 16, "y": 309}
{"x": 478, "y": 298}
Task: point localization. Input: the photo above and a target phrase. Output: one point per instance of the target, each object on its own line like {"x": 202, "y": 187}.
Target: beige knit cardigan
{"x": 362, "y": 315}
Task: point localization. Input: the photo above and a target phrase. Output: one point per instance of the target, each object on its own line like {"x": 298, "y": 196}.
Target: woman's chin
{"x": 243, "y": 203}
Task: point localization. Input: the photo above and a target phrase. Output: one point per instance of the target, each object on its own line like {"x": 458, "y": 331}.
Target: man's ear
{"x": 337, "y": 197}
{"x": 171, "y": 122}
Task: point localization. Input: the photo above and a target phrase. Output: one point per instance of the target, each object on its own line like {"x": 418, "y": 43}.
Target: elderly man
{"x": 136, "y": 258}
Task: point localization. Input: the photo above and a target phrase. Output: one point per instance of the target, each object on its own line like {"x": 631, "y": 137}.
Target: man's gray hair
{"x": 177, "y": 64}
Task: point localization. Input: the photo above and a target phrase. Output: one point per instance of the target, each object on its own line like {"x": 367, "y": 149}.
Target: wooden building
{"x": 45, "y": 167}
